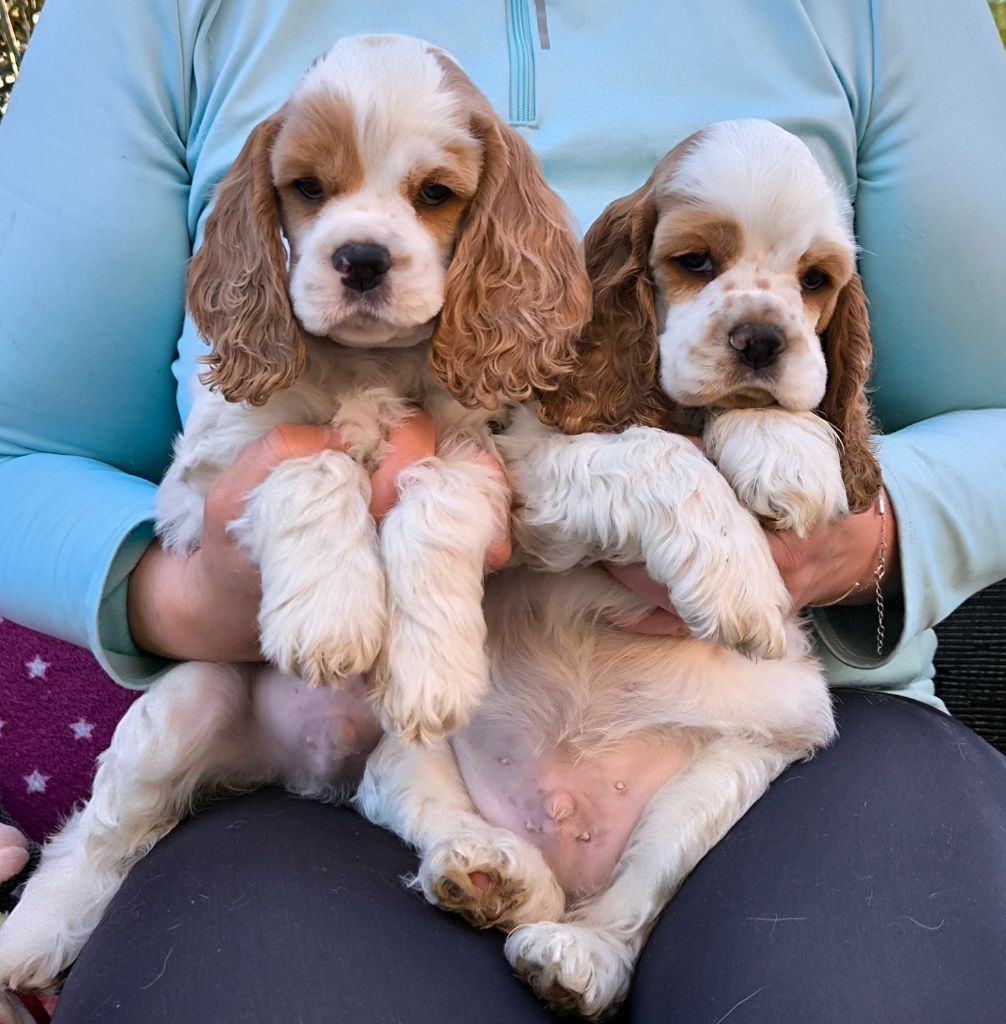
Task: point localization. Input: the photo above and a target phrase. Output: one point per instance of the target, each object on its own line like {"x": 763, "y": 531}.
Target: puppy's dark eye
{"x": 813, "y": 280}
{"x": 310, "y": 188}
{"x": 434, "y": 194}
{"x": 695, "y": 262}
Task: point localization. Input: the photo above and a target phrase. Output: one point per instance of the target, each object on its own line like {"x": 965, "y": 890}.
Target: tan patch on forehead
{"x": 318, "y": 140}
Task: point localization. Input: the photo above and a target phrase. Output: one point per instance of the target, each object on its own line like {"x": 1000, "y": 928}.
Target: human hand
{"x": 820, "y": 569}
{"x": 205, "y": 606}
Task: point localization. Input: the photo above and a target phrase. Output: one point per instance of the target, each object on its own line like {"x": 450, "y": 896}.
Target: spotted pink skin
{"x": 579, "y": 811}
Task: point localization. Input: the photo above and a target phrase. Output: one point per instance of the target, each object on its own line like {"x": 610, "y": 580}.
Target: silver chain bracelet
{"x": 881, "y": 571}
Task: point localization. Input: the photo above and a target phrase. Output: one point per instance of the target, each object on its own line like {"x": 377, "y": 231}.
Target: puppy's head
{"x": 410, "y": 211}
{"x": 728, "y": 281}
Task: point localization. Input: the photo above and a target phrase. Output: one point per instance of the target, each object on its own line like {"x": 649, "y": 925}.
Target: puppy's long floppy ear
{"x": 517, "y": 295}
{"x": 237, "y": 284}
{"x": 614, "y": 383}
{"x": 848, "y": 353}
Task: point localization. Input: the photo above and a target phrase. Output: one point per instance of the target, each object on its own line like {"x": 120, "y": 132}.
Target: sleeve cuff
{"x": 111, "y": 641}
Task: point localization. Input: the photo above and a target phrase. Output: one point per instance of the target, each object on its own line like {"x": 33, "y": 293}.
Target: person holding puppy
{"x": 856, "y": 851}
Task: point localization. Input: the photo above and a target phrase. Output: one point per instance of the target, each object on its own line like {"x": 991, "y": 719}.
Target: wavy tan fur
{"x": 517, "y": 295}
{"x": 237, "y": 285}
{"x": 848, "y": 352}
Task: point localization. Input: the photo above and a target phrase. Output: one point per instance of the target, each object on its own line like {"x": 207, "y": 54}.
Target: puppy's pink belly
{"x": 579, "y": 812}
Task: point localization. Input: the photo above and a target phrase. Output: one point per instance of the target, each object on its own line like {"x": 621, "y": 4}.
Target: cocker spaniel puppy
{"x": 428, "y": 264}
{"x": 604, "y": 765}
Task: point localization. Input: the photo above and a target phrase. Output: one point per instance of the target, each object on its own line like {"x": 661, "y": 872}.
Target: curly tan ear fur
{"x": 615, "y": 382}
{"x": 848, "y": 353}
{"x": 237, "y": 283}
{"x": 517, "y": 295}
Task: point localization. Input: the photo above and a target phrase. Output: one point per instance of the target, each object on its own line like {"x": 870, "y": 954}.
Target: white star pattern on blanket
{"x": 2, "y": 724}
{"x": 36, "y": 668}
{"x": 36, "y": 782}
{"x": 82, "y": 730}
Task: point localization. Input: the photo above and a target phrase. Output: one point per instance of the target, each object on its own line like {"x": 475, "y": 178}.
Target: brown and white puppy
{"x": 728, "y": 281}
{"x": 429, "y": 264}
{"x": 603, "y": 765}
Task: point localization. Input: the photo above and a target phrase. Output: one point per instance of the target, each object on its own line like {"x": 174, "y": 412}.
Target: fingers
{"x": 634, "y": 578}
{"x": 225, "y": 500}
{"x": 415, "y": 439}
{"x": 659, "y": 623}
{"x": 501, "y": 546}
{"x": 663, "y": 620}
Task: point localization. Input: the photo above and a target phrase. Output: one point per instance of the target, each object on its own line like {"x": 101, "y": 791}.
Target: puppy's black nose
{"x": 362, "y": 265}
{"x": 757, "y": 344}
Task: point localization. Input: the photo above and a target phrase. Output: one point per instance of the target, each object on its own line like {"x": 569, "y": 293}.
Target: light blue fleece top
{"x": 127, "y": 114}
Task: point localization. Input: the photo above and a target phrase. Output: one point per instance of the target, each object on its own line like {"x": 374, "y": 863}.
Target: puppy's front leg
{"x": 585, "y": 963}
{"x": 649, "y": 496}
{"x": 486, "y": 874}
{"x": 784, "y": 466}
{"x": 309, "y": 528}
{"x": 434, "y": 670}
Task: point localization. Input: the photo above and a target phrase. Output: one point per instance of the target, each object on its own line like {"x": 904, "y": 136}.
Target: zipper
{"x": 520, "y": 42}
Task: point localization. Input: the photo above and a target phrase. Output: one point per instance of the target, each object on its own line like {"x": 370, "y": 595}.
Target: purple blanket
{"x": 57, "y": 713}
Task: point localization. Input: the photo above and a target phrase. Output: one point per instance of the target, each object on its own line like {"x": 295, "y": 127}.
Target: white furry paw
{"x": 324, "y": 605}
{"x": 430, "y": 682}
{"x": 574, "y": 969}
{"x": 331, "y": 626}
{"x": 36, "y": 948}
{"x": 753, "y": 614}
{"x": 493, "y": 880}
{"x": 721, "y": 575}
{"x": 784, "y": 466}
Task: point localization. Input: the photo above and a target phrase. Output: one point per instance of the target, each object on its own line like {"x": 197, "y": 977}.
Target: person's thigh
{"x": 868, "y": 884}
{"x": 266, "y": 908}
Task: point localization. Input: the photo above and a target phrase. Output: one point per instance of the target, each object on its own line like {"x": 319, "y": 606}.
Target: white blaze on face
{"x": 375, "y": 123}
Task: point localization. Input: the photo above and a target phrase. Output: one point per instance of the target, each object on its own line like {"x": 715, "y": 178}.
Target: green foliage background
{"x": 18, "y": 18}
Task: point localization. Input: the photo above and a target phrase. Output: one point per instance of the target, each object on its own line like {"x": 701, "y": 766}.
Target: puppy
{"x": 604, "y": 765}
{"x": 429, "y": 265}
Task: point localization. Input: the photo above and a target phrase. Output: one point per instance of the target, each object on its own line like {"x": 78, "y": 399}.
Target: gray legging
{"x": 867, "y": 885}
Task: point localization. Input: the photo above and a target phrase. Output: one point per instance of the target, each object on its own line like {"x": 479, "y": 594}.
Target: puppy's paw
{"x": 723, "y": 580}
{"x": 492, "y": 879}
{"x": 324, "y": 603}
{"x": 36, "y": 949}
{"x": 753, "y": 620}
{"x": 326, "y": 626}
{"x": 430, "y": 681}
{"x": 783, "y": 466}
{"x": 573, "y": 968}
